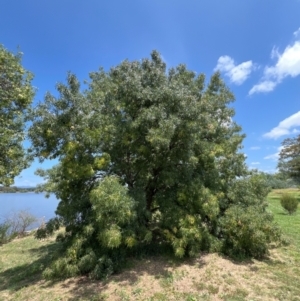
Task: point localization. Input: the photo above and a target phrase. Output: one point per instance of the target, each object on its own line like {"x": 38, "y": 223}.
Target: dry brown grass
{"x": 208, "y": 277}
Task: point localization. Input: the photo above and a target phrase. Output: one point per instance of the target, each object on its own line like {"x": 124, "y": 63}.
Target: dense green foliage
{"x": 289, "y": 202}
{"x": 289, "y": 158}
{"x": 147, "y": 157}
{"x": 16, "y": 94}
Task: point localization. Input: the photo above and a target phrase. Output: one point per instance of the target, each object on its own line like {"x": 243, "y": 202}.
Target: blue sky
{"x": 255, "y": 44}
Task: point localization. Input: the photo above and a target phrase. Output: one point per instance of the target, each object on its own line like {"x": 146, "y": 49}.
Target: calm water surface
{"x": 35, "y": 203}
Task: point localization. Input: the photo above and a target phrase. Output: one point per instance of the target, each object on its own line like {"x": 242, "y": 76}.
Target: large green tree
{"x": 147, "y": 156}
{"x": 16, "y": 94}
{"x": 289, "y": 158}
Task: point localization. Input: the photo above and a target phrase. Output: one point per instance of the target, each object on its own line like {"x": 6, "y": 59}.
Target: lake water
{"x": 34, "y": 203}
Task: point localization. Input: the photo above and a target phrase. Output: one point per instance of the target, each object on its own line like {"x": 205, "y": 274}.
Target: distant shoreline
{"x": 15, "y": 189}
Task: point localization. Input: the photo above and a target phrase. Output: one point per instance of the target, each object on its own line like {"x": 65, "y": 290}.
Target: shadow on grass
{"x": 29, "y": 274}
{"x": 83, "y": 288}
{"x": 24, "y": 275}
{"x": 152, "y": 263}
{"x": 157, "y": 264}
{"x": 285, "y": 214}
{"x": 160, "y": 267}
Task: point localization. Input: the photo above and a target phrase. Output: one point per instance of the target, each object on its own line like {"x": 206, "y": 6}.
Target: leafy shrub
{"x": 47, "y": 229}
{"x": 289, "y": 202}
{"x": 3, "y": 233}
{"x": 248, "y": 231}
{"x": 61, "y": 268}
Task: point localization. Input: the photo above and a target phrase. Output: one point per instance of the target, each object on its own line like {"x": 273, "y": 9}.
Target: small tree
{"x": 16, "y": 94}
{"x": 289, "y": 158}
{"x": 289, "y": 202}
{"x": 19, "y": 222}
{"x": 15, "y": 225}
{"x": 146, "y": 156}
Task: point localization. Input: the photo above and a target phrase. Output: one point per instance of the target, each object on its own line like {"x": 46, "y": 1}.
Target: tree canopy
{"x": 289, "y": 158}
{"x": 16, "y": 94}
{"x": 147, "y": 156}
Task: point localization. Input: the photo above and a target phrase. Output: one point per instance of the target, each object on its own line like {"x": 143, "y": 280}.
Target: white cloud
{"x": 272, "y": 157}
{"x": 275, "y": 156}
{"x": 264, "y": 86}
{"x": 272, "y": 170}
{"x": 285, "y": 127}
{"x": 288, "y": 64}
{"x": 297, "y": 32}
{"x": 274, "y": 53}
{"x": 255, "y": 163}
{"x": 255, "y": 147}
{"x": 236, "y": 73}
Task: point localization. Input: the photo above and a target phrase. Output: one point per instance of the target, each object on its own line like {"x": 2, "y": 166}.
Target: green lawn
{"x": 287, "y": 270}
{"x": 290, "y": 224}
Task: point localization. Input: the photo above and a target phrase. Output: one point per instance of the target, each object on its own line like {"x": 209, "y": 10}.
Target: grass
{"x": 209, "y": 277}
{"x": 289, "y": 224}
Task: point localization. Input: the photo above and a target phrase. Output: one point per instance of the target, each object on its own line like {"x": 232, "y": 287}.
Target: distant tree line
{"x": 13, "y": 189}
{"x": 279, "y": 180}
